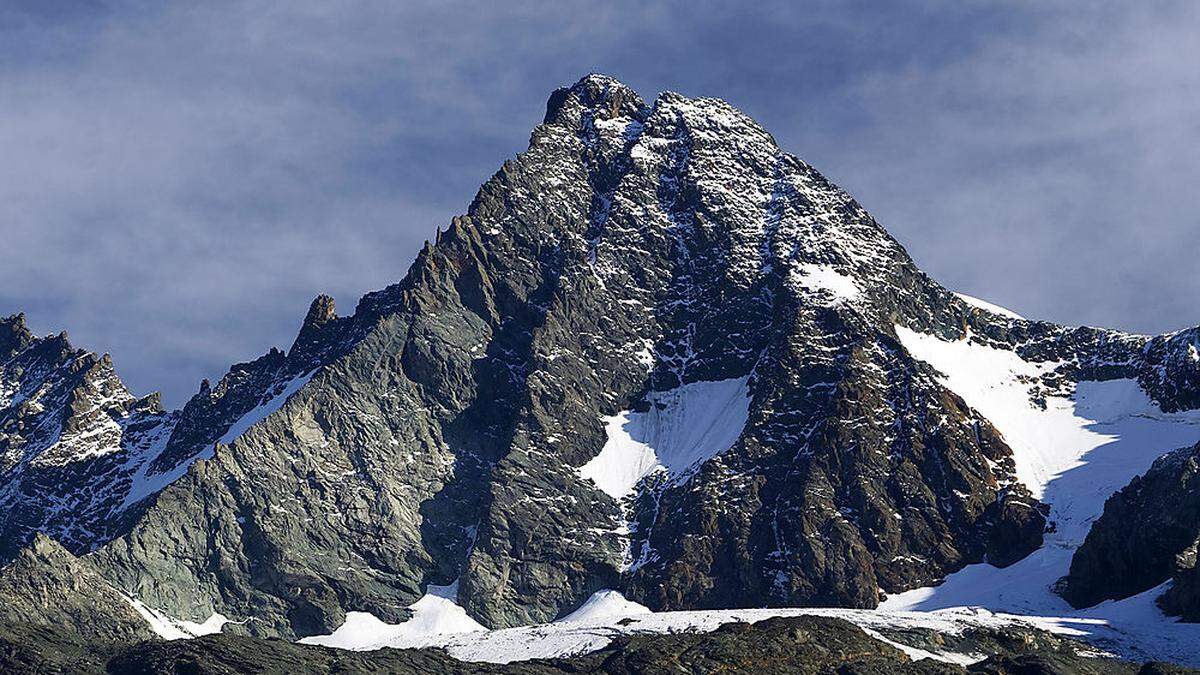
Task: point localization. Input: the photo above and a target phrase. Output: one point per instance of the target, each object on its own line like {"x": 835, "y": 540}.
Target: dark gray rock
{"x": 45, "y": 588}
{"x": 1182, "y": 597}
{"x": 1147, "y": 534}
{"x": 1170, "y": 367}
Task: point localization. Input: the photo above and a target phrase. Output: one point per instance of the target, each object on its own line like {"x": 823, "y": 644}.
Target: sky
{"x": 179, "y": 180}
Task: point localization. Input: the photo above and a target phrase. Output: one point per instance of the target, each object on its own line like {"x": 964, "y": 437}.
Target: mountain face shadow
{"x": 479, "y": 436}
{"x": 1139, "y": 433}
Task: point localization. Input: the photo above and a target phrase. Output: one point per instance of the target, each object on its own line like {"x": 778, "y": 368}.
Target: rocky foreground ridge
{"x": 799, "y": 645}
{"x": 474, "y": 422}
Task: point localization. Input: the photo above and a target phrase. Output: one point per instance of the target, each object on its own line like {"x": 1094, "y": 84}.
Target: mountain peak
{"x": 602, "y": 96}
{"x": 14, "y": 334}
{"x": 321, "y": 311}
{"x": 659, "y": 355}
{"x": 17, "y": 319}
{"x": 320, "y": 314}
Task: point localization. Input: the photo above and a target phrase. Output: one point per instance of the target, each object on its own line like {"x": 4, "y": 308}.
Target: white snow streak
{"x": 259, "y": 413}
{"x": 169, "y": 628}
{"x": 143, "y": 483}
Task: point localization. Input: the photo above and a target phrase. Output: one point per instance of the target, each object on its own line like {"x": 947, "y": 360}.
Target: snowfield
{"x": 1073, "y": 455}
{"x": 606, "y": 615}
{"x": 434, "y": 617}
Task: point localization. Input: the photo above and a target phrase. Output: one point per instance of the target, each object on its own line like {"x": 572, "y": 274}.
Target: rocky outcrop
{"x": 1170, "y": 367}
{"x": 1182, "y": 597}
{"x": 45, "y": 588}
{"x": 1148, "y": 534}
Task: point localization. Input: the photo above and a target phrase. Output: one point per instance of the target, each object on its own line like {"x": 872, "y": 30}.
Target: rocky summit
{"x": 658, "y": 356}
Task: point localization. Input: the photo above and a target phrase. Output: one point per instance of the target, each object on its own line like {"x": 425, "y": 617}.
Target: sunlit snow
{"x": 985, "y": 305}
{"x": 608, "y": 614}
{"x": 824, "y": 279}
{"x": 605, "y": 604}
{"x": 433, "y": 616}
{"x": 683, "y": 428}
{"x": 169, "y": 628}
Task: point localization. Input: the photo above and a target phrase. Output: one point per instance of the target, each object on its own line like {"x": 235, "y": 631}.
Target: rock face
{"x": 1171, "y": 367}
{"x": 646, "y": 275}
{"x": 46, "y": 588}
{"x": 1148, "y": 534}
{"x": 1182, "y": 598}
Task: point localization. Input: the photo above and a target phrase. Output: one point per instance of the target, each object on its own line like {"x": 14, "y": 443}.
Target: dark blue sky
{"x": 176, "y": 184}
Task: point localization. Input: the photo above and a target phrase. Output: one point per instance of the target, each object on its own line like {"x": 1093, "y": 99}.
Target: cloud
{"x": 180, "y": 180}
{"x": 1050, "y": 169}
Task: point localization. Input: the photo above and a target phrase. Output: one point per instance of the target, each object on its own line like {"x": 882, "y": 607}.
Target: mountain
{"x": 657, "y": 354}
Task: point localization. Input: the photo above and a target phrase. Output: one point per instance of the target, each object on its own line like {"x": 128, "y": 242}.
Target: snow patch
{"x": 824, "y": 279}
{"x": 683, "y": 428}
{"x": 605, "y": 604}
{"x": 169, "y": 628}
{"x": 434, "y": 616}
{"x": 989, "y": 307}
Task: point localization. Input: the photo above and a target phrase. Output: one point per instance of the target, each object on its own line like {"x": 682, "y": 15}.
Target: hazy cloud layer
{"x": 177, "y": 183}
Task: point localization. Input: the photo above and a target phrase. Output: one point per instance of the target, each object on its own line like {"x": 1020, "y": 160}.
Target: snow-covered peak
{"x": 658, "y": 354}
